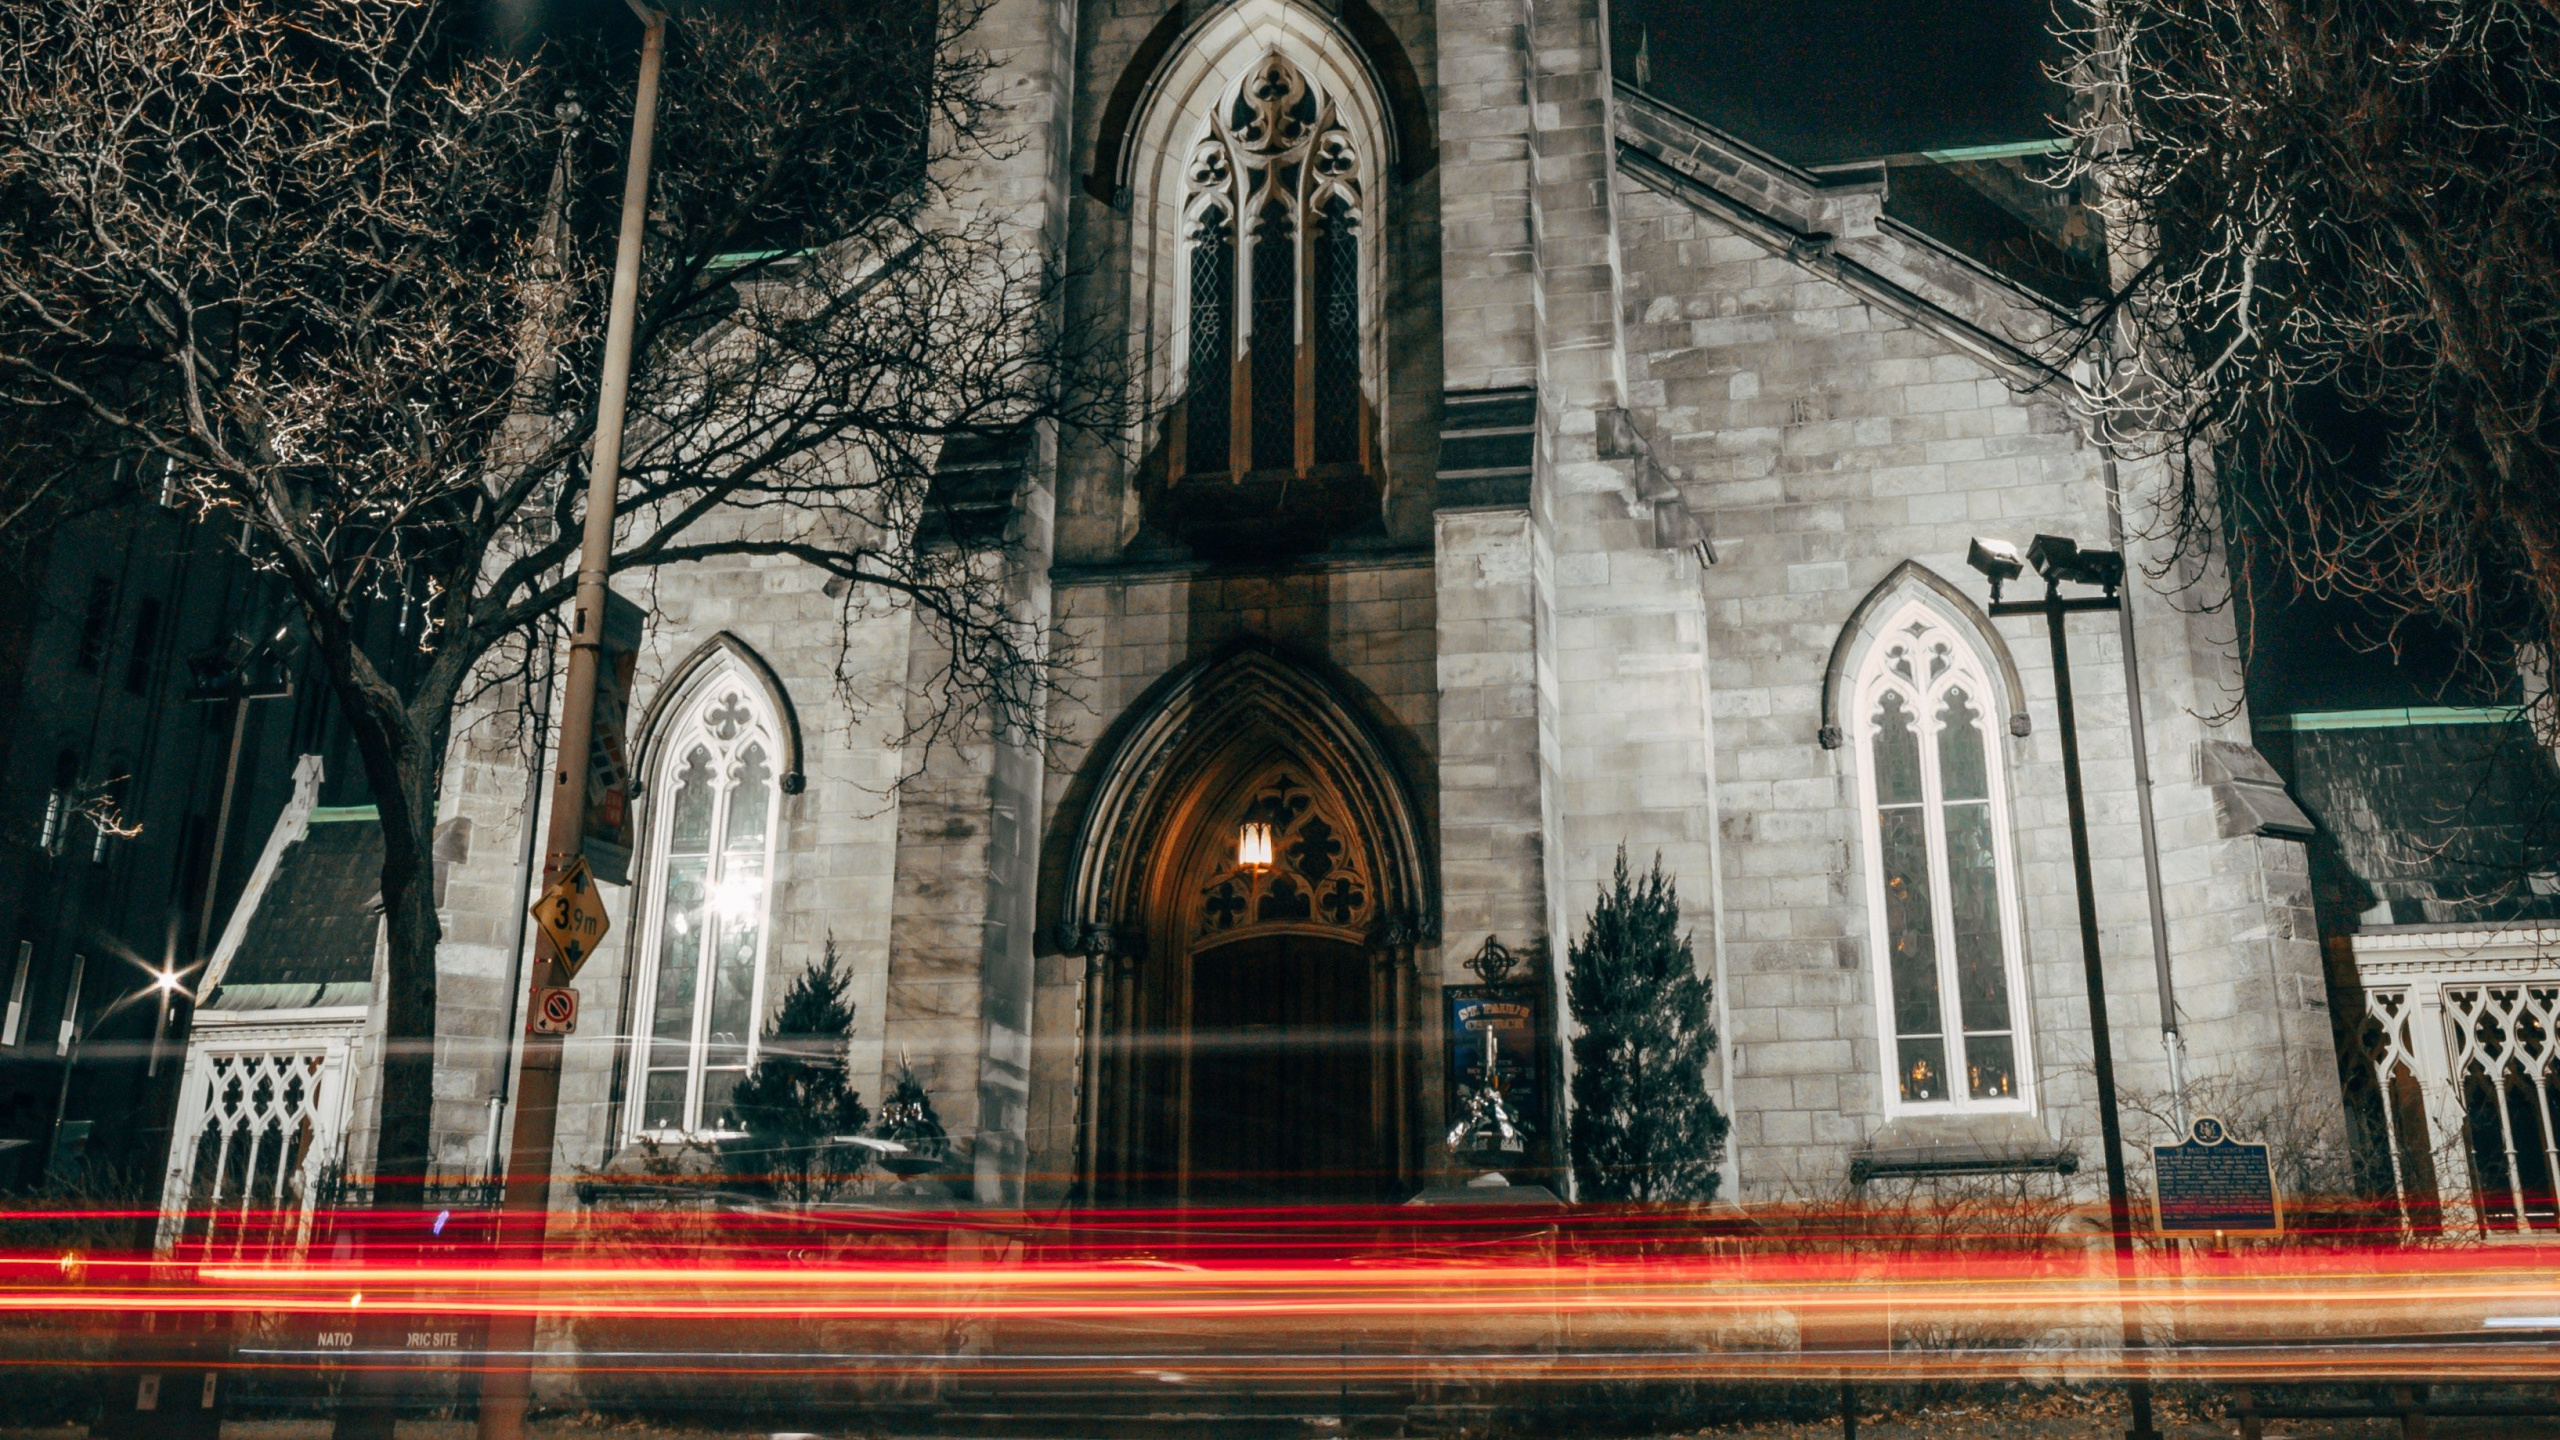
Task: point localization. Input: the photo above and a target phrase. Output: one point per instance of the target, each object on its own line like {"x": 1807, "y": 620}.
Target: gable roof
{"x": 304, "y": 931}
{"x": 1837, "y": 228}
{"x": 315, "y": 925}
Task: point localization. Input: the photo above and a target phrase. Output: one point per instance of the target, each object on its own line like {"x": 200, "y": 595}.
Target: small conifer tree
{"x": 1644, "y": 1127}
{"x": 797, "y": 1098}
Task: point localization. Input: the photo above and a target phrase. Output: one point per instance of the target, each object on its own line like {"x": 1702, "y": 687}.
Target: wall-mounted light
{"x": 1253, "y": 845}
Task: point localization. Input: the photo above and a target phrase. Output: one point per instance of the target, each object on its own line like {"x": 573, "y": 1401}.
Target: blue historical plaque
{"x": 1509, "y": 1011}
{"x": 2213, "y": 1184}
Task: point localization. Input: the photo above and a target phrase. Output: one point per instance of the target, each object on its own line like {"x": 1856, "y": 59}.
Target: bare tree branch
{"x": 2336, "y": 315}
{"x": 340, "y": 270}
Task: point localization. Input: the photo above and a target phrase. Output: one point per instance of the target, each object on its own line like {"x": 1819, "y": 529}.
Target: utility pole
{"x": 506, "y": 1383}
{"x": 2056, "y": 560}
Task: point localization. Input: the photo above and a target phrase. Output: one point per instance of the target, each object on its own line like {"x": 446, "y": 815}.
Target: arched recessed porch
{"x": 1250, "y": 1027}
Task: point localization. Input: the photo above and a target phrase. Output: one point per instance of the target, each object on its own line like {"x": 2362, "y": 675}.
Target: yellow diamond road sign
{"x": 572, "y": 914}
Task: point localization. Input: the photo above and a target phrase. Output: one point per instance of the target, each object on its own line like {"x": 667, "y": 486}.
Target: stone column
{"x": 961, "y": 923}
{"x": 960, "y": 940}
{"x": 2448, "y": 1136}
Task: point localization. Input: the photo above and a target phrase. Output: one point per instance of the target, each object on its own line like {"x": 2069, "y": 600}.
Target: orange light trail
{"x": 1273, "y": 1298}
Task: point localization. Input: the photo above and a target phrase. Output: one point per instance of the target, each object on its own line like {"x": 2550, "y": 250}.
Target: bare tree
{"x": 2336, "y": 308}
{"x": 338, "y": 266}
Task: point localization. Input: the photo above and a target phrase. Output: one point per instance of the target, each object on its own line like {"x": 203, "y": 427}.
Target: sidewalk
{"x": 1945, "y": 1422}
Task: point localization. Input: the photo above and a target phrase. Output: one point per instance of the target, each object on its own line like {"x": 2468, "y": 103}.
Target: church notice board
{"x": 2212, "y": 1184}
{"x": 1510, "y": 1011}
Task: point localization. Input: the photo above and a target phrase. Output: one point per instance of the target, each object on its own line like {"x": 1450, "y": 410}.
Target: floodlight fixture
{"x": 2057, "y": 559}
{"x": 2102, "y": 568}
{"x": 1998, "y": 559}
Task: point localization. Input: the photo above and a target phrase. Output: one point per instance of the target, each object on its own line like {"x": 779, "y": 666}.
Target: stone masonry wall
{"x": 832, "y": 865}
{"x": 1827, "y": 441}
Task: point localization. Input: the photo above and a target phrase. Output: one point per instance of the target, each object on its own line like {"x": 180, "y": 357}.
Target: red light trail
{"x": 1268, "y": 1298}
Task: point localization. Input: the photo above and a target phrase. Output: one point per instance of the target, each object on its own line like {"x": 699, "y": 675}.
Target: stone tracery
{"x": 1274, "y": 420}
{"x": 1320, "y": 879}
{"x": 1272, "y": 217}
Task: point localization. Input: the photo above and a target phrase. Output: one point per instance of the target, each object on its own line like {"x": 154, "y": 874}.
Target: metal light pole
{"x": 507, "y": 1383}
{"x": 2057, "y": 560}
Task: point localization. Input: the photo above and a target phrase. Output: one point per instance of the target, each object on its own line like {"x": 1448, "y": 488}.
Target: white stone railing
{"x": 2456, "y": 1019}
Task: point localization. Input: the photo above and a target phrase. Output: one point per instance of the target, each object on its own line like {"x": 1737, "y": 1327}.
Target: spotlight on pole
{"x": 2058, "y": 560}
{"x": 1998, "y": 559}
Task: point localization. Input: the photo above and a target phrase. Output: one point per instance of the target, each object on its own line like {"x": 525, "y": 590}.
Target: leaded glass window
{"x": 1210, "y": 396}
{"x": 1941, "y": 887}
{"x": 1337, "y": 337}
{"x": 710, "y": 864}
{"x": 1275, "y": 345}
{"x": 1272, "y": 225}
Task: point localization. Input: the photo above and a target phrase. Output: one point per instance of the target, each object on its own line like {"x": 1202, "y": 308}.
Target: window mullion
{"x": 1942, "y": 910}
{"x": 766, "y": 884}
{"x": 2010, "y": 895}
{"x": 647, "y": 940}
{"x": 705, "y": 943}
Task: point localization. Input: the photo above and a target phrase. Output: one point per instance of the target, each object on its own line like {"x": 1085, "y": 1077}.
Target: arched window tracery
{"x": 714, "y": 806}
{"x": 1273, "y": 220}
{"x": 1941, "y": 876}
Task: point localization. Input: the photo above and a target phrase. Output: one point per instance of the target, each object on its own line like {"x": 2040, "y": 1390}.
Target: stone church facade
{"x": 1537, "y": 471}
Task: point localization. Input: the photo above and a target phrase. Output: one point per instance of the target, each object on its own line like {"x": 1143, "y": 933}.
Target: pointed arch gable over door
{"x": 1191, "y": 716}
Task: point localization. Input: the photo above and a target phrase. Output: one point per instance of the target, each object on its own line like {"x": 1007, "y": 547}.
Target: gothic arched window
{"x": 1272, "y": 222}
{"x": 1940, "y": 875}
{"x": 711, "y": 834}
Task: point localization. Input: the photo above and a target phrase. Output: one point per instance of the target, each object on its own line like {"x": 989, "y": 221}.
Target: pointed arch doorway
{"x": 1250, "y": 1021}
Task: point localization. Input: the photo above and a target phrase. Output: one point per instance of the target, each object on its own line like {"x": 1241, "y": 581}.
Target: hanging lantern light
{"x": 1253, "y": 845}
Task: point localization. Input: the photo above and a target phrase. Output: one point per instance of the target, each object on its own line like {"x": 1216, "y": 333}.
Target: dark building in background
{"x": 2428, "y": 815}
{"x": 152, "y": 719}
{"x": 2435, "y": 869}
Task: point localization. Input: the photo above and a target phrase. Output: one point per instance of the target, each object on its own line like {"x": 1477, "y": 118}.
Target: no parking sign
{"x": 555, "y": 1010}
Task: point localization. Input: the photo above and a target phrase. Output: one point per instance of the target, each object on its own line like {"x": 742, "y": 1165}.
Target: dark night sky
{"x": 1819, "y": 81}
{"x": 515, "y": 20}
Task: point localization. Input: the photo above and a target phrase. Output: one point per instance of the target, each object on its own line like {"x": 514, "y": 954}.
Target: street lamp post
{"x": 2057, "y": 560}
{"x": 506, "y": 1385}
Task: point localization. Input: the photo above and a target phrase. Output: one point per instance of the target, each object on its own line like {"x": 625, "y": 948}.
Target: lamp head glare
{"x": 2102, "y": 568}
{"x": 1997, "y": 559}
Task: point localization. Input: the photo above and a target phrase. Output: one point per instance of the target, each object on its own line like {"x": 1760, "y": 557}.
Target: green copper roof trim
{"x": 2395, "y": 719}
{"x": 740, "y": 259}
{"x": 2010, "y": 151}
{"x": 334, "y": 814}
